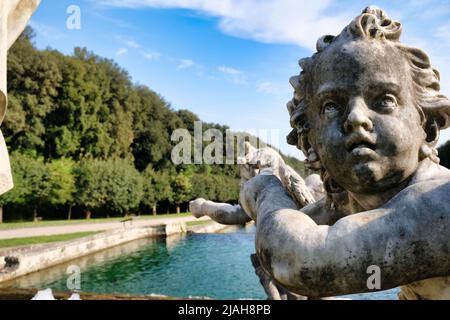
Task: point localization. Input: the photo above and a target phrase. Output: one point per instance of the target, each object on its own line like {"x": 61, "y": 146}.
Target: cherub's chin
{"x": 363, "y": 154}
{"x": 367, "y": 172}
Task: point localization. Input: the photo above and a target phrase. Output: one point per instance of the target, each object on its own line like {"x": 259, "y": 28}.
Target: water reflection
{"x": 53, "y": 274}
{"x": 213, "y": 265}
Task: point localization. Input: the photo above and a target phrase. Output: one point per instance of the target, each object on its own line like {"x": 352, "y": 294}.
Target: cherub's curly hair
{"x": 373, "y": 23}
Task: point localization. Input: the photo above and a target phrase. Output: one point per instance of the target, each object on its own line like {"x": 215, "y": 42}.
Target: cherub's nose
{"x": 358, "y": 116}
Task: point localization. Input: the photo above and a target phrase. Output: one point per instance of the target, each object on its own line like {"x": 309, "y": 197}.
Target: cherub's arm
{"x": 408, "y": 239}
{"x": 228, "y": 214}
{"x": 223, "y": 213}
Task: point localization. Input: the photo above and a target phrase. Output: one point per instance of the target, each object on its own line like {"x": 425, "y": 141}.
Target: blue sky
{"x": 229, "y": 61}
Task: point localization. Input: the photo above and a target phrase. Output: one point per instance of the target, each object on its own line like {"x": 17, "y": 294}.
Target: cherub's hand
{"x": 296, "y": 187}
{"x": 195, "y": 207}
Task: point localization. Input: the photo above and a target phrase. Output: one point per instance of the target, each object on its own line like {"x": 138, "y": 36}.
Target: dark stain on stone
{"x": 12, "y": 262}
{"x": 265, "y": 257}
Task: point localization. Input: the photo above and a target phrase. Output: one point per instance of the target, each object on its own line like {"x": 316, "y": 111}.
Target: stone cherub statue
{"x": 254, "y": 162}
{"x": 367, "y": 113}
{"x": 14, "y": 15}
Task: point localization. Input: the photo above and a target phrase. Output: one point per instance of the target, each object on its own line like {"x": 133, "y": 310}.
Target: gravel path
{"x": 86, "y": 227}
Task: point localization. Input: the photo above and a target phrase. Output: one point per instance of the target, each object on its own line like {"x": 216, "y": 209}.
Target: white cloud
{"x": 185, "y": 64}
{"x": 267, "y": 87}
{"x": 234, "y": 75}
{"x": 151, "y": 55}
{"x": 117, "y": 22}
{"x": 272, "y": 21}
{"x": 128, "y": 42}
{"x": 121, "y": 51}
{"x": 132, "y": 44}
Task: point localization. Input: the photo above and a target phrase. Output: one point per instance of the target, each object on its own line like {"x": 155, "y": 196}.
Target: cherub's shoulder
{"x": 442, "y": 172}
{"x": 430, "y": 171}
{"x": 431, "y": 188}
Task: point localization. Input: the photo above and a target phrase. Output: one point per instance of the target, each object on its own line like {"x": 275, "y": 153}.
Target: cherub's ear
{"x": 428, "y": 149}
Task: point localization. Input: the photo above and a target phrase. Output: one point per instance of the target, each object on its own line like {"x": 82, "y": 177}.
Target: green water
{"x": 206, "y": 265}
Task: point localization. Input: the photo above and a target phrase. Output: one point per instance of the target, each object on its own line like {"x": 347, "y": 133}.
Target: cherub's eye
{"x": 387, "y": 102}
{"x": 330, "y": 107}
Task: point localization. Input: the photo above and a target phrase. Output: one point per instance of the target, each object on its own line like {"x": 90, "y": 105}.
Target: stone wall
{"x": 18, "y": 262}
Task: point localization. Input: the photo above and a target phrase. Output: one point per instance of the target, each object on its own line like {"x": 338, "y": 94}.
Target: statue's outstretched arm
{"x": 223, "y": 213}
{"x": 408, "y": 239}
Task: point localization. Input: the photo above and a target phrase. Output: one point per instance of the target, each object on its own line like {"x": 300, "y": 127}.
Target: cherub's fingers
{"x": 195, "y": 207}
{"x": 296, "y": 187}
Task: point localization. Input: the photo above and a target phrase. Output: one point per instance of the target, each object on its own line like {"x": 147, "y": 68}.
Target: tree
{"x": 122, "y": 185}
{"x": 156, "y": 188}
{"x": 149, "y": 189}
{"x": 34, "y": 182}
{"x": 17, "y": 195}
{"x": 112, "y": 184}
{"x": 181, "y": 187}
{"x": 33, "y": 81}
{"x": 62, "y": 183}
{"x": 88, "y": 181}
{"x": 203, "y": 186}
{"x": 163, "y": 188}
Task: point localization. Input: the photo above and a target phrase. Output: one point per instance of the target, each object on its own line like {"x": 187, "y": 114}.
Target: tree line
{"x": 444, "y": 154}
{"x": 108, "y": 187}
{"x": 86, "y": 141}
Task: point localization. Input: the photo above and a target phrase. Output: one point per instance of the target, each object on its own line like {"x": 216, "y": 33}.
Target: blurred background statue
{"x": 14, "y": 16}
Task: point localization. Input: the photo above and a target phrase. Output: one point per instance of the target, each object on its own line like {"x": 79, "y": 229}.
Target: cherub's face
{"x": 364, "y": 124}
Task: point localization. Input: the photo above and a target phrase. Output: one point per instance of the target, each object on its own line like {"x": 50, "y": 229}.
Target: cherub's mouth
{"x": 360, "y": 142}
{"x": 361, "y": 145}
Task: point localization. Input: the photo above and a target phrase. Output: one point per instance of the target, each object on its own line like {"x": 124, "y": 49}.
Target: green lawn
{"x": 43, "y": 239}
{"x": 196, "y": 223}
{"x": 16, "y": 225}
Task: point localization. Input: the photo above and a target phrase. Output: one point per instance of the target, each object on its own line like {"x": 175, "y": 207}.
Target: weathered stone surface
{"x": 28, "y": 294}
{"x": 366, "y": 112}
{"x": 212, "y": 227}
